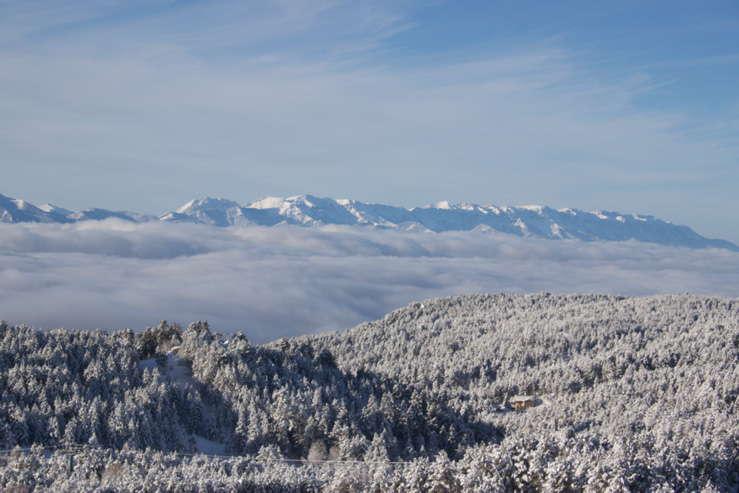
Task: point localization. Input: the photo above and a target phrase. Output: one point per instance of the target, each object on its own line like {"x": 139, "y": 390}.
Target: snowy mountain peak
{"x": 16, "y": 211}
{"x": 208, "y": 203}
{"x": 190, "y": 205}
{"x": 307, "y": 210}
{"x": 52, "y": 209}
{"x": 267, "y": 203}
{"x": 533, "y": 208}
{"x": 307, "y": 200}
{"x": 529, "y": 221}
{"x": 20, "y": 204}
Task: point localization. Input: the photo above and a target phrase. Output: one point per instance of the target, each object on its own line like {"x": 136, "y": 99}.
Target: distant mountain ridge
{"x": 20, "y": 211}
{"x": 307, "y": 210}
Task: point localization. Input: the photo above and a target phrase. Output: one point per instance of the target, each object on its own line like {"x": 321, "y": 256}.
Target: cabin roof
{"x": 523, "y": 398}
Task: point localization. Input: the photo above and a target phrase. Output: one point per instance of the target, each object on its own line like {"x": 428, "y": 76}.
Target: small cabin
{"x": 523, "y": 402}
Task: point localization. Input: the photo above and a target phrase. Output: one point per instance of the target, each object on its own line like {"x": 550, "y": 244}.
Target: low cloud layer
{"x": 277, "y": 282}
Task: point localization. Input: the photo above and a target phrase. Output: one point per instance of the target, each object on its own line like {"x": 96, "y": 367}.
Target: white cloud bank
{"x": 276, "y": 282}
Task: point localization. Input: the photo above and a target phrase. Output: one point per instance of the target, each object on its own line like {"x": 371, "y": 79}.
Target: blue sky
{"x": 628, "y": 106}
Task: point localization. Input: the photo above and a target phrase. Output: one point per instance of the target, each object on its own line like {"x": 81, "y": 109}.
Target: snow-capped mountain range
{"x": 306, "y": 210}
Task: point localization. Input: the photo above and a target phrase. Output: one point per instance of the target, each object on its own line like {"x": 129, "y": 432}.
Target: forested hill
{"x": 500, "y": 345}
{"x": 629, "y": 393}
{"x": 644, "y": 385}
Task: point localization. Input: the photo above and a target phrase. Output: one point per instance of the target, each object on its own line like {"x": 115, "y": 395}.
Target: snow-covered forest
{"x": 629, "y": 394}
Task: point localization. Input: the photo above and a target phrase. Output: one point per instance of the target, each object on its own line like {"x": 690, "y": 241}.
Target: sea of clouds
{"x": 286, "y": 281}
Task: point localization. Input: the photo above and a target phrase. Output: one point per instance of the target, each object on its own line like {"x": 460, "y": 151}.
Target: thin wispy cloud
{"x": 244, "y": 100}
{"x": 276, "y": 282}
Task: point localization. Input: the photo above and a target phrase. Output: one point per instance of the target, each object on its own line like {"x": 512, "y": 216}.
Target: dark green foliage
{"x": 291, "y": 396}
{"x": 158, "y": 340}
